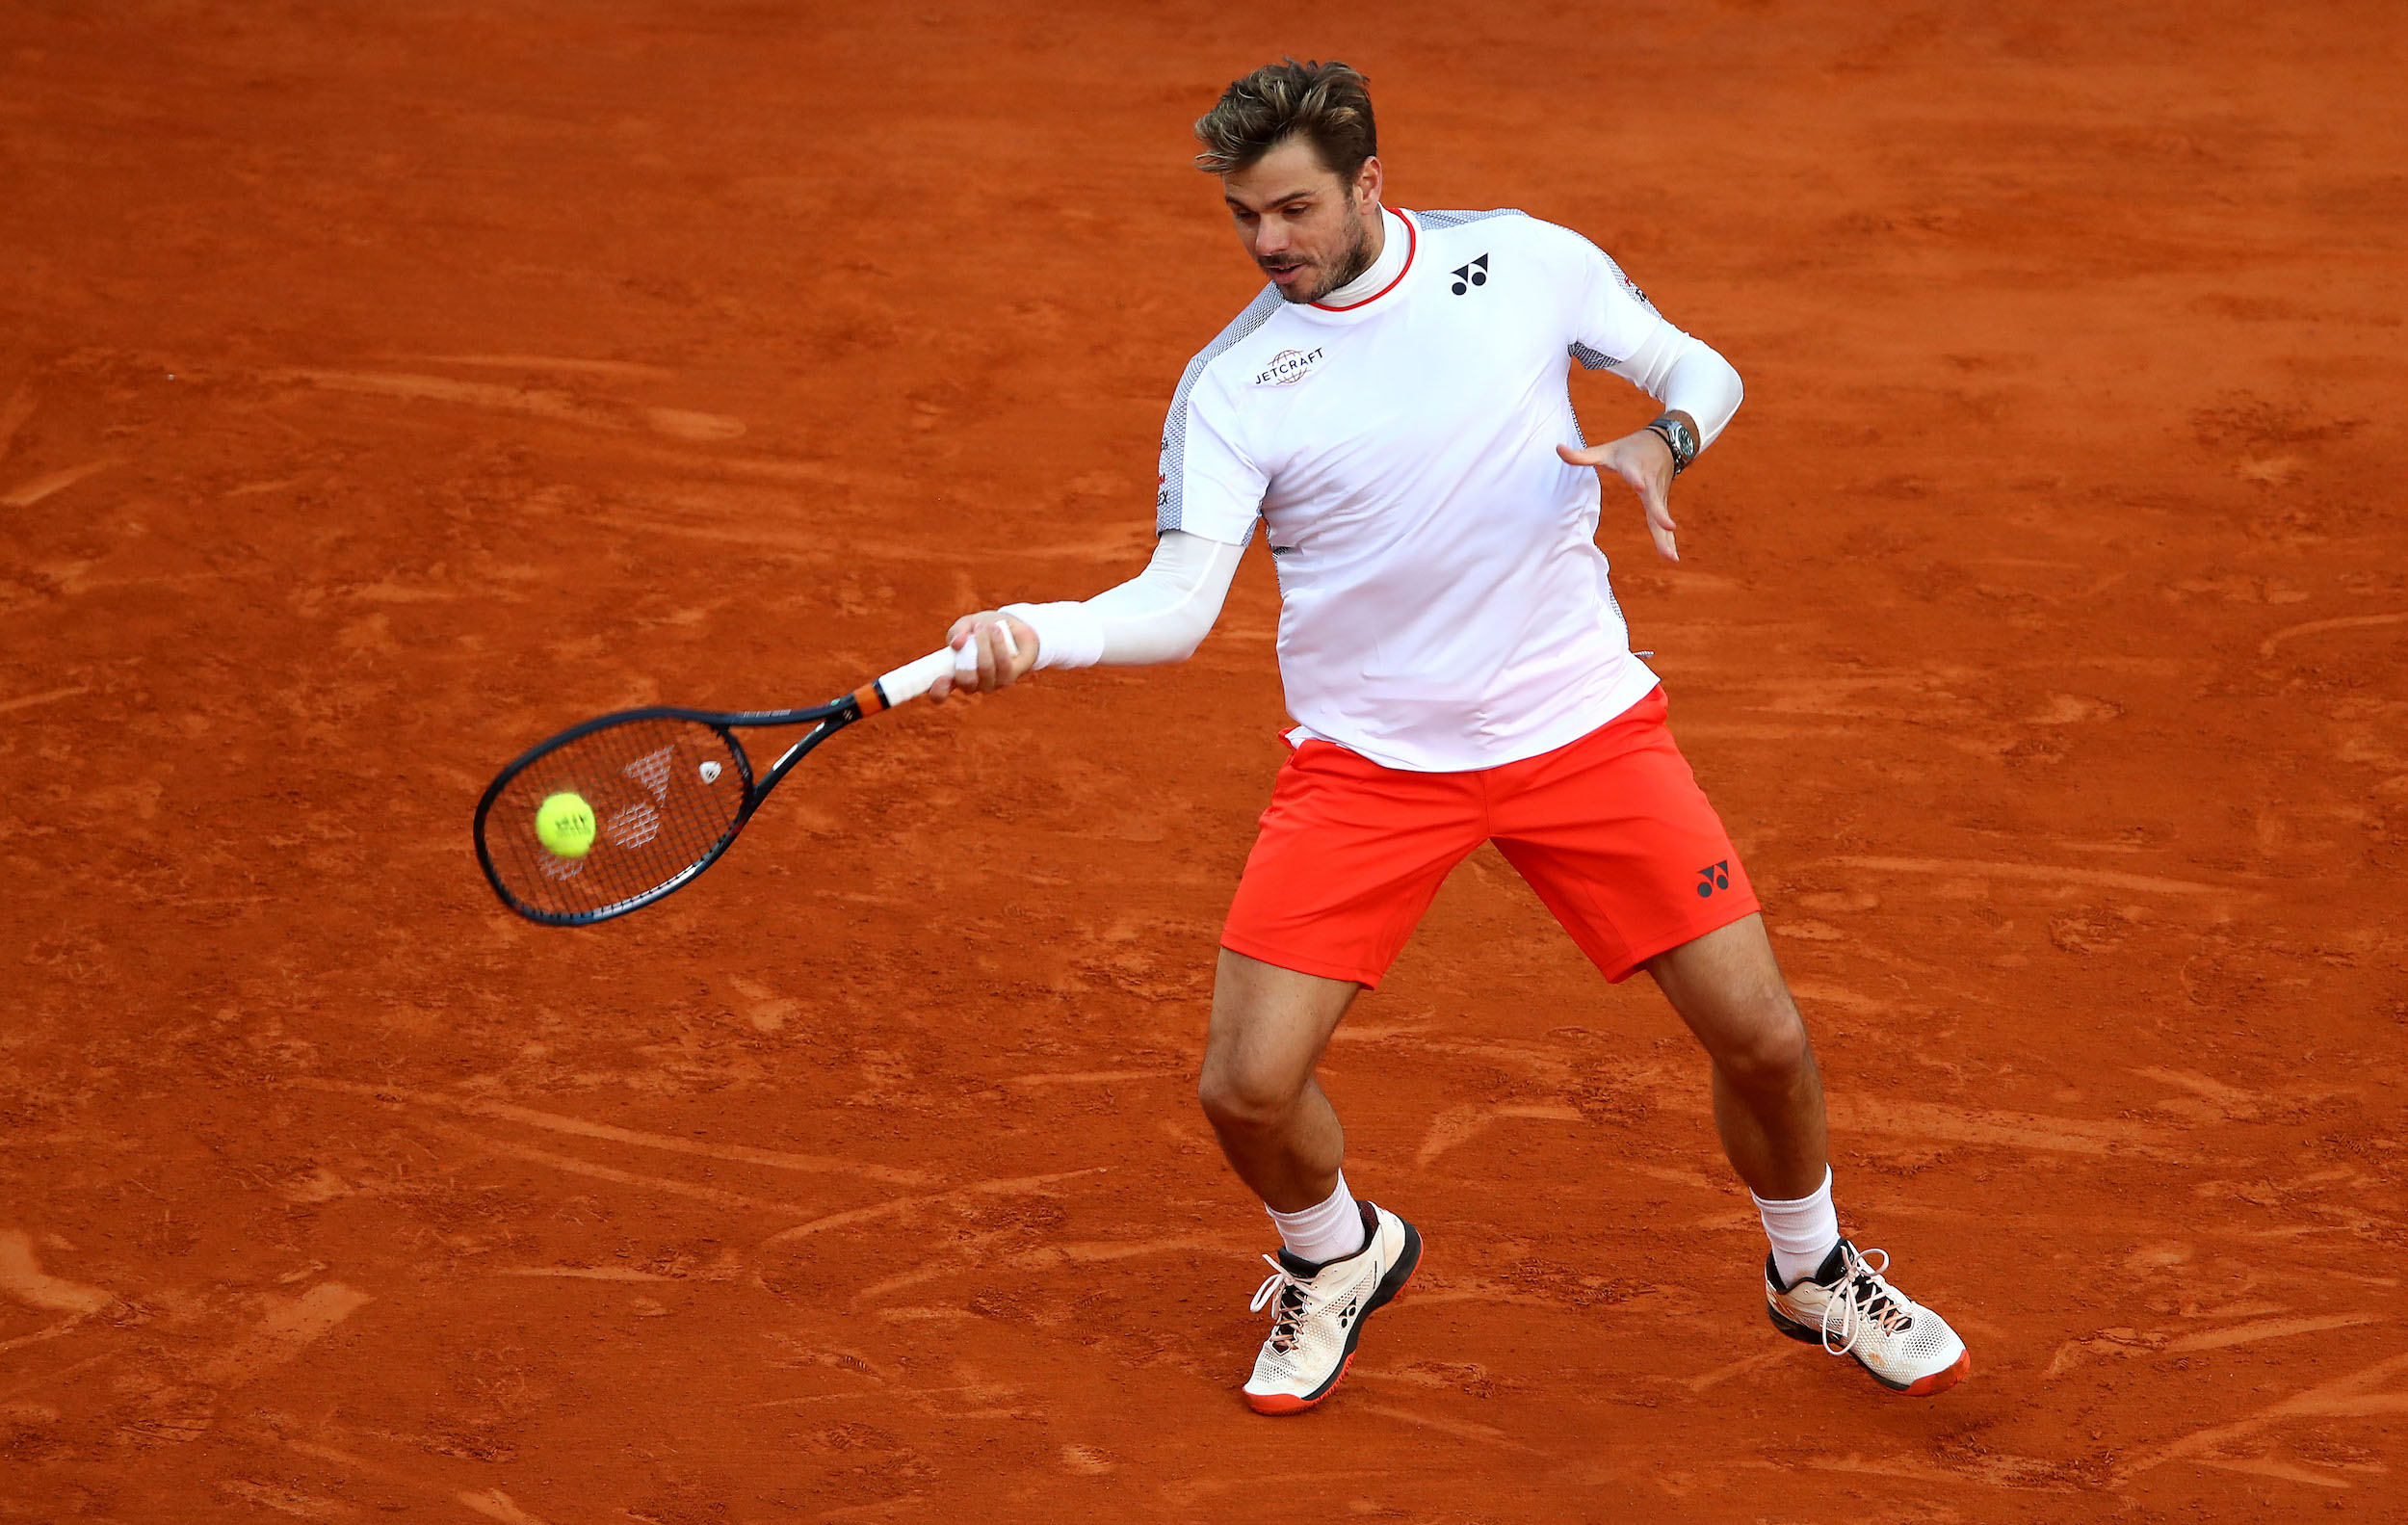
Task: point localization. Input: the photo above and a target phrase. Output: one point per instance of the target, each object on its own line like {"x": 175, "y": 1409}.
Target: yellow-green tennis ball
{"x": 564, "y": 825}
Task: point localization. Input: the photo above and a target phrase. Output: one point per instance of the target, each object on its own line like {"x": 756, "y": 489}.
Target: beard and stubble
{"x": 1351, "y": 262}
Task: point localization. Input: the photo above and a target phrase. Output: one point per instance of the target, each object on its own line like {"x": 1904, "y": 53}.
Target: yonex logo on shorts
{"x": 1288, "y": 367}
{"x": 1710, "y": 880}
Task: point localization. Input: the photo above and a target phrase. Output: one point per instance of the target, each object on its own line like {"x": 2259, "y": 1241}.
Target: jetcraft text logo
{"x": 1288, "y": 367}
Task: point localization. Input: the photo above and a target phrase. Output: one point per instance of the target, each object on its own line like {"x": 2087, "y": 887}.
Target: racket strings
{"x": 664, "y": 796}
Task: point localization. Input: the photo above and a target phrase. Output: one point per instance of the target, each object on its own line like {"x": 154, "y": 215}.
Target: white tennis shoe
{"x": 1319, "y": 1309}
{"x": 1850, "y": 1309}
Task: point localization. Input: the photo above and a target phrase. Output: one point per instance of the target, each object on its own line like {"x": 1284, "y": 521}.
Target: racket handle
{"x": 967, "y": 655}
{"x": 912, "y": 679}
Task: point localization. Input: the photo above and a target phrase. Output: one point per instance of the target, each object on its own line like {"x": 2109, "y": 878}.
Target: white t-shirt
{"x": 1443, "y": 603}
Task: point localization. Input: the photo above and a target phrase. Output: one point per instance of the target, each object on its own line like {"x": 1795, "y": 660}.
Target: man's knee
{"x": 1772, "y": 1052}
{"x": 1241, "y": 1098}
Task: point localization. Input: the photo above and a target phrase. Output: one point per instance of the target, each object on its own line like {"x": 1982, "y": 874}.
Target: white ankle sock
{"x": 1330, "y": 1230}
{"x": 1803, "y": 1232}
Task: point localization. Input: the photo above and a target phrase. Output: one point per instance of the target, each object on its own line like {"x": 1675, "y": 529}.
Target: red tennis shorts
{"x": 1611, "y": 830}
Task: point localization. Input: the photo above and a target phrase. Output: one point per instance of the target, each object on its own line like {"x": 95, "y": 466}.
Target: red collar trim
{"x": 1412, "y": 246}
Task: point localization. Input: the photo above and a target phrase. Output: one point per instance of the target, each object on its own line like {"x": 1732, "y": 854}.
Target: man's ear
{"x": 1367, "y": 183}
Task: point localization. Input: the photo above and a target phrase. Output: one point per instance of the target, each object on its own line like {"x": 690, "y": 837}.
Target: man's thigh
{"x": 1270, "y": 1026}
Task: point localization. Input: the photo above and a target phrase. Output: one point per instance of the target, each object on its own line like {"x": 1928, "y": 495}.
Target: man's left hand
{"x": 1645, "y": 461}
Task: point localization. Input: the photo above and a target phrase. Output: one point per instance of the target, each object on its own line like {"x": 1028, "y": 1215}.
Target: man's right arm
{"x": 1210, "y": 494}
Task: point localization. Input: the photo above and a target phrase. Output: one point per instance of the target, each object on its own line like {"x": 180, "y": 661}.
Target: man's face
{"x": 1310, "y": 233}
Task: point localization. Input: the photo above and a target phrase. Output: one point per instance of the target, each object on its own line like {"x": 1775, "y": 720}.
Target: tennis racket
{"x": 659, "y": 795}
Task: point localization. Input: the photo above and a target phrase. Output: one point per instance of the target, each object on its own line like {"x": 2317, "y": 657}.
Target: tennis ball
{"x": 564, "y": 825}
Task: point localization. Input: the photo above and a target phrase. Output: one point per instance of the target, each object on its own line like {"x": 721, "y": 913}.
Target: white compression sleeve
{"x": 1686, "y": 374}
{"x": 1161, "y": 614}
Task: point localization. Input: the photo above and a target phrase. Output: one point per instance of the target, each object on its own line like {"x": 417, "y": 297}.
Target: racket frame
{"x": 899, "y": 686}
{"x": 825, "y": 720}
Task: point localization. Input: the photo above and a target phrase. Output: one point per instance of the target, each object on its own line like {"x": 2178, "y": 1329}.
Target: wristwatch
{"x": 1675, "y": 432}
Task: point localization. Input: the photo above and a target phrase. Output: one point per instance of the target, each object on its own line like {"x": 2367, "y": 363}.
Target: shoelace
{"x": 1296, "y": 1303}
{"x": 1861, "y": 1299}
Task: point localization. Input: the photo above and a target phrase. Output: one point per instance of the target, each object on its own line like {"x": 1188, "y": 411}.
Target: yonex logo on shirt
{"x": 1288, "y": 367}
{"x": 1474, "y": 274}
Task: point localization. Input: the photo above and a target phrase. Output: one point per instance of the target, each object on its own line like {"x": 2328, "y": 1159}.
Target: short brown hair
{"x": 1328, "y": 105}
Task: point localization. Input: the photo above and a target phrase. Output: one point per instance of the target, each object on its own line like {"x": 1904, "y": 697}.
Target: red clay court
{"x": 383, "y": 387}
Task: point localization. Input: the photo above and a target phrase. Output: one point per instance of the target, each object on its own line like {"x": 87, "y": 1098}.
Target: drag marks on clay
{"x": 604, "y": 1173}
{"x": 25, "y": 494}
{"x": 904, "y": 1206}
{"x": 2228, "y": 1101}
{"x": 2268, "y": 1329}
{"x": 2039, "y": 873}
{"x": 628, "y": 369}
{"x": 288, "y": 1501}
{"x": 1461, "y": 1124}
{"x": 13, "y": 415}
{"x": 2017, "y": 1130}
{"x": 1093, "y": 1077}
{"x": 587, "y": 1272}
{"x": 2029, "y": 1474}
{"x": 2283, "y": 1471}
{"x": 52, "y": 697}
{"x": 2316, "y": 627}
{"x": 22, "y": 1279}
{"x": 492, "y": 1503}
{"x": 677, "y": 422}
{"x": 290, "y": 1327}
{"x": 1739, "y": 1368}
{"x": 558, "y": 1122}
{"x": 2350, "y": 1396}
{"x": 1460, "y": 1429}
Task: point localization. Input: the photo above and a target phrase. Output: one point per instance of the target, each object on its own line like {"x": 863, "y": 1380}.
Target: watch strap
{"x": 1678, "y": 436}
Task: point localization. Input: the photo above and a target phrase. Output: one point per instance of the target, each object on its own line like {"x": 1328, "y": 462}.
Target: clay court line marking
{"x": 2266, "y": 647}
{"x": 2269, "y": 1330}
{"x": 2041, "y": 873}
{"x": 603, "y": 1172}
{"x": 557, "y": 1122}
{"x": 25, "y": 494}
{"x": 2342, "y": 1398}
{"x": 900, "y": 1204}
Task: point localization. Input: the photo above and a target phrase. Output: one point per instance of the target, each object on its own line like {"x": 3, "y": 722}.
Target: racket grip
{"x": 912, "y": 679}
{"x": 907, "y": 682}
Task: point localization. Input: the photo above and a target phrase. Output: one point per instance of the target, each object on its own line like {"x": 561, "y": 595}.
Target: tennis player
{"x": 1393, "y": 409}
